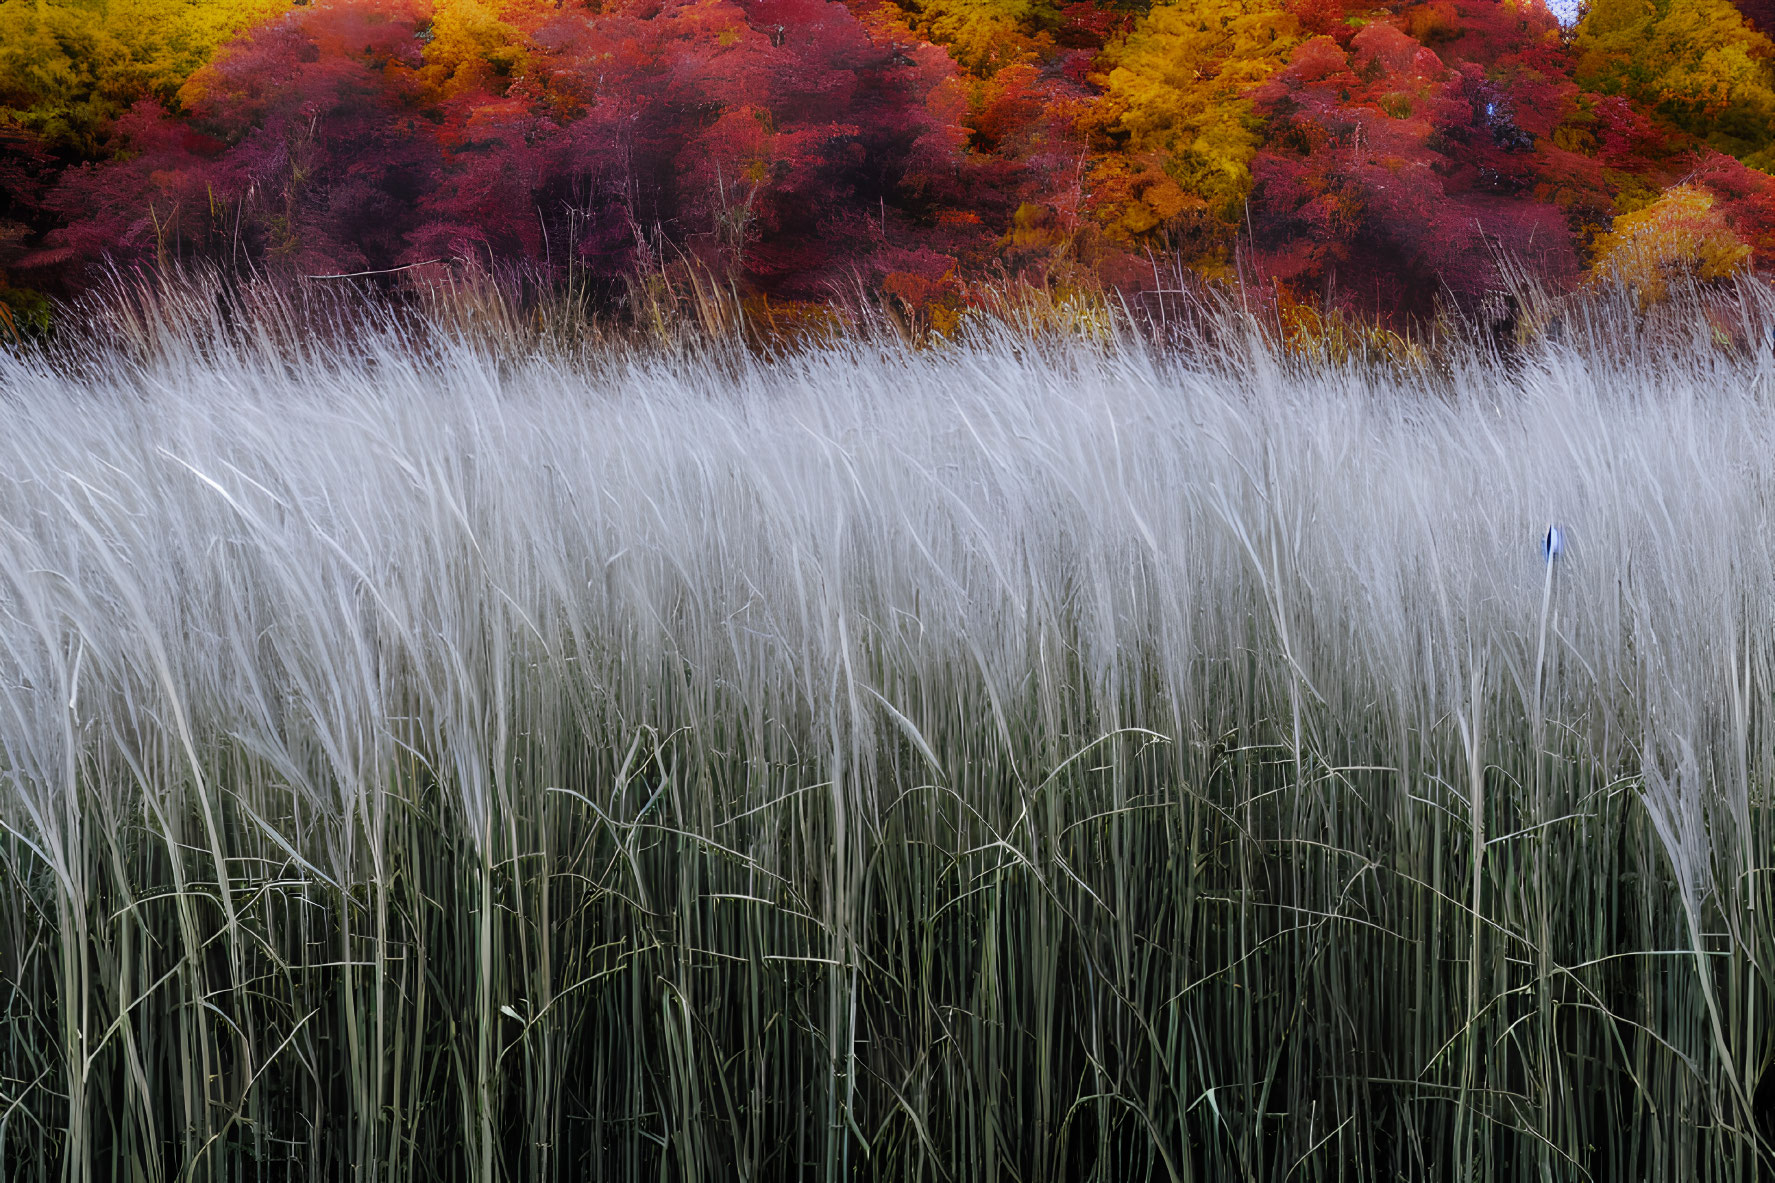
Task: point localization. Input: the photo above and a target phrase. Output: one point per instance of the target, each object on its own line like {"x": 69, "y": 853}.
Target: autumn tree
{"x": 1745, "y": 198}
{"x": 1176, "y": 112}
{"x": 1678, "y": 238}
{"x": 985, "y": 36}
{"x": 1698, "y": 63}
{"x": 1390, "y": 175}
{"x": 70, "y": 67}
{"x": 479, "y": 46}
{"x": 303, "y": 146}
{"x": 774, "y": 141}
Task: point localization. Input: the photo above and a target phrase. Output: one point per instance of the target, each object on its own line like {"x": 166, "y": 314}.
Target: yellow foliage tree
{"x": 984, "y": 36}
{"x": 477, "y": 45}
{"x": 1697, "y": 61}
{"x": 1677, "y": 238}
{"x": 1175, "y": 93}
{"x": 68, "y": 67}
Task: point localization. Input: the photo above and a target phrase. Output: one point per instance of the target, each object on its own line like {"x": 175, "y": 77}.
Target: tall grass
{"x": 1025, "y": 759}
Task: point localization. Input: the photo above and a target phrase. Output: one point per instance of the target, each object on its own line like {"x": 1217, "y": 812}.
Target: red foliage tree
{"x": 776, "y": 140}
{"x": 1745, "y": 198}
{"x": 304, "y": 147}
{"x": 1392, "y": 171}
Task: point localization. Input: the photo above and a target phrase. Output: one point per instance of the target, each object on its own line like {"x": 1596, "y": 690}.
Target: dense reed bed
{"x": 1031, "y": 758}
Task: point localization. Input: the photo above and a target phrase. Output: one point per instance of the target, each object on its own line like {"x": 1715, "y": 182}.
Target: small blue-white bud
{"x": 1553, "y": 542}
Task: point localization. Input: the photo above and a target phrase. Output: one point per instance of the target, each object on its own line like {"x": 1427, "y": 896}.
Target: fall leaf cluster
{"x": 1379, "y": 156}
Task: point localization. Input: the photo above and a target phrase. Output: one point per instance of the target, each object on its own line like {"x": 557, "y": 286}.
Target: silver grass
{"x": 1015, "y": 759}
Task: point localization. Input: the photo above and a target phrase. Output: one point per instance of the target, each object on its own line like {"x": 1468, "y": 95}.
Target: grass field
{"x": 1040, "y": 757}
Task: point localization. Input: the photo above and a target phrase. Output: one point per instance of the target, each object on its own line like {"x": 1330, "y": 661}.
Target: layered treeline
{"x": 1337, "y": 150}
